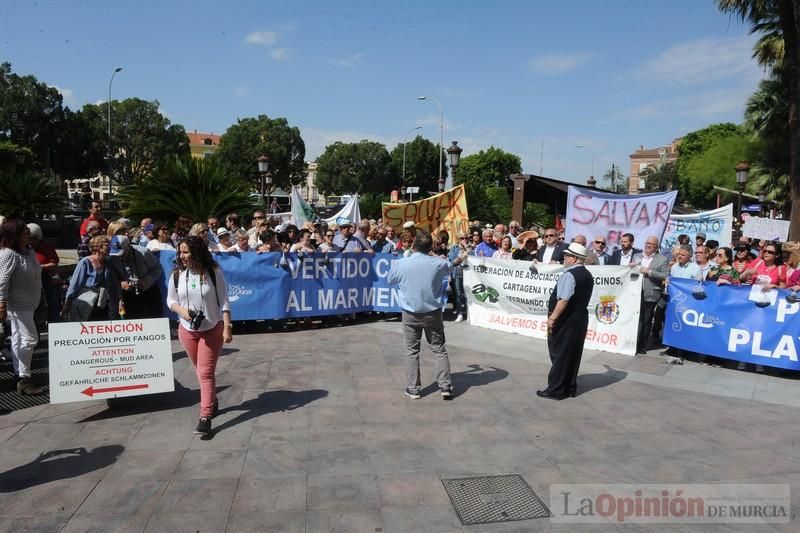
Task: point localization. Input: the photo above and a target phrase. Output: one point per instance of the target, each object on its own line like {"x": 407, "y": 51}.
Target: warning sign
{"x": 109, "y": 359}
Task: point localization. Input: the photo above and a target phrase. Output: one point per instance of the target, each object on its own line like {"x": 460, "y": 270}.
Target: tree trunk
{"x": 790, "y": 25}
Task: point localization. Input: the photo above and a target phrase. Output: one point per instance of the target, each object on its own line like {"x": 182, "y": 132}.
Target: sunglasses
{"x": 329, "y": 234}
{"x": 549, "y": 235}
{"x": 599, "y": 242}
{"x": 771, "y": 252}
{"x": 259, "y": 218}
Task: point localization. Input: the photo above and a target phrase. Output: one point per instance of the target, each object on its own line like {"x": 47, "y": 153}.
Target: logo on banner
{"x": 237, "y": 291}
{"x": 607, "y": 311}
{"x": 483, "y": 293}
{"x": 692, "y": 318}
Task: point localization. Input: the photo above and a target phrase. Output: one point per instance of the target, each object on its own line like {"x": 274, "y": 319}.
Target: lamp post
{"x": 405, "y": 141}
{"x": 591, "y": 182}
{"x": 592, "y": 154}
{"x": 761, "y": 197}
{"x": 742, "y": 170}
{"x": 440, "y": 184}
{"x": 454, "y": 155}
{"x": 441, "y": 129}
{"x": 263, "y": 170}
{"x": 403, "y": 192}
{"x": 110, "y": 164}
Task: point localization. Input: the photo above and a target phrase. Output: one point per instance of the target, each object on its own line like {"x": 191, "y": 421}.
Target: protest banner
{"x": 740, "y": 323}
{"x": 275, "y": 285}
{"x": 444, "y": 211}
{"x": 592, "y": 213}
{"x": 91, "y": 360}
{"x": 769, "y": 229}
{"x": 717, "y": 224}
{"x": 506, "y": 296}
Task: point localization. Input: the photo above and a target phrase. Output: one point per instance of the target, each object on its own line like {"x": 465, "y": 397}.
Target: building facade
{"x": 645, "y": 157}
{"x": 203, "y": 144}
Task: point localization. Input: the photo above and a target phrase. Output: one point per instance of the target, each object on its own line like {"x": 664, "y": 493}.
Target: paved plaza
{"x": 315, "y": 435}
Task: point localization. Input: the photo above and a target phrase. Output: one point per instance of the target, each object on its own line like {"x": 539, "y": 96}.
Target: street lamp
{"x": 110, "y": 164}
{"x": 591, "y": 182}
{"x": 742, "y": 170}
{"x": 263, "y": 170}
{"x": 761, "y": 197}
{"x": 592, "y": 154}
{"x": 405, "y": 141}
{"x": 454, "y": 155}
{"x": 441, "y": 129}
{"x": 440, "y": 184}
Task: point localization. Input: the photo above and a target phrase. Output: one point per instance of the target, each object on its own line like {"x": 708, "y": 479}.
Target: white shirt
{"x": 548, "y": 254}
{"x": 156, "y": 246}
{"x": 198, "y": 294}
{"x": 647, "y": 259}
{"x": 625, "y": 258}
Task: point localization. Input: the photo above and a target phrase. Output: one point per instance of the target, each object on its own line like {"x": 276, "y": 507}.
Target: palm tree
{"x": 28, "y": 196}
{"x": 186, "y": 186}
{"x": 779, "y": 21}
{"x": 660, "y": 177}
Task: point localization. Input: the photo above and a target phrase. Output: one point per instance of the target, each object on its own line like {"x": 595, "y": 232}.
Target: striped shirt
{"x": 20, "y": 280}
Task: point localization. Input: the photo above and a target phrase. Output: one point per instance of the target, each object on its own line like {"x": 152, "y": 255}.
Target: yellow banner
{"x": 444, "y": 211}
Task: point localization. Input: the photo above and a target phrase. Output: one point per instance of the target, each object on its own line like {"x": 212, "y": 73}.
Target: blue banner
{"x": 265, "y": 286}
{"x": 739, "y": 323}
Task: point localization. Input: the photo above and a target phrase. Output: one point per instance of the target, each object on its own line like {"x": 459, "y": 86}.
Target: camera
{"x": 197, "y": 319}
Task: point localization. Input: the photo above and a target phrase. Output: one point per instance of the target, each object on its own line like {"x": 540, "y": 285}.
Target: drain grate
{"x": 491, "y": 499}
{"x": 9, "y": 399}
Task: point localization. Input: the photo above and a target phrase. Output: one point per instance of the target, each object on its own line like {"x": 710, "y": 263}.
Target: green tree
{"x": 478, "y": 172}
{"x": 31, "y": 115}
{"x": 187, "y": 186}
{"x": 141, "y": 137}
{"x": 778, "y": 24}
{"x": 714, "y": 166}
{"x": 615, "y": 181}
{"x": 659, "y": 177}
{"x": 422, "y": 164}
{"x": 250, "y": 138}
{"x": 28, "y": 195}
{"x": 361, "y": 167}
{"x": 371, "y": 204}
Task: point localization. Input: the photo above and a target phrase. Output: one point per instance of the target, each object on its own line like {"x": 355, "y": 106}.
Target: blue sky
{"x": 609, "y": 75}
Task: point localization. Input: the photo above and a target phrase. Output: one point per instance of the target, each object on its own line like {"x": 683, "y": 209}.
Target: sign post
{"x": 102, "y": 360}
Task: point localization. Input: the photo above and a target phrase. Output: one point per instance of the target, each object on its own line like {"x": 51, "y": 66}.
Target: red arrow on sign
{"x": 92, "y": 391}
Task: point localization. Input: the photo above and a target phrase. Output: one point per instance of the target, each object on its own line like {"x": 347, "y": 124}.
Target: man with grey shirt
{"x": 420, "y": 278}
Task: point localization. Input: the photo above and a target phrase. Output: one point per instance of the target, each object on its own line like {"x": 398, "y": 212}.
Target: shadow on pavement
{"x": 270, "y": 402}
{"x": 474, "y": 377}
{"x": 58, "y": 464}
{"x": 587, "y": 382}
{"x": 150, "y": 403}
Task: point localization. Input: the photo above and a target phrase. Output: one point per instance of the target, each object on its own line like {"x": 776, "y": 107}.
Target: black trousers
{"x": 646, "y": 312}
{"x": 147, "y": 304}
{"x": 565, "y": 345}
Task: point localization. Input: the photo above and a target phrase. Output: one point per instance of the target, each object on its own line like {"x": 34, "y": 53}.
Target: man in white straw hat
{"x": 567, "y": 321}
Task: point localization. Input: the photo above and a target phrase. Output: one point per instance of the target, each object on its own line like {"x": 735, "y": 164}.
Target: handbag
{"x": 87, "y": 300}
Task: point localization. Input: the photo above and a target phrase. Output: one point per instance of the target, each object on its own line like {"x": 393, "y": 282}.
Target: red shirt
{"x": 46, "y": 254}
{"x": 103, "y": 224}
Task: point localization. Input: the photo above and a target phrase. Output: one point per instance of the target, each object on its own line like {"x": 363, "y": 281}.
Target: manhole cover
{"x": 490, "y": 499}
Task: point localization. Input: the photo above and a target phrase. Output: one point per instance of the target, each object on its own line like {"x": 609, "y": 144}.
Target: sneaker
{"x": 25, "y": 387}
{"x": 459, "y": 318}
{"x": 413, "y": 395}
{"x": 215, "y": 410}
{"x": 203, "y": 426}
{"x": 447, "y": 394}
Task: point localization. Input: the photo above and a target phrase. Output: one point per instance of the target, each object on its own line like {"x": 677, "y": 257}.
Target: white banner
{"x": 769, "y": 229}
{"x": 90, "y": 360}
{"x": 717, "y": 224}
{"x": 592, "y": 213}
{"x": 351, "y": 210}
{"x": 505, "y": 295}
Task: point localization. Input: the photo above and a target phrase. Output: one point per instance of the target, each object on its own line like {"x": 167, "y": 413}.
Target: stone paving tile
{"x": 326, "y": 492}
{"x": 368, "y": 520}
{"x": 436, "y": 519}
{"x": 123, "y": 498}
{"x": 267, "y": 522}
{"x": 42, "y": 437}
{"x": 211, "y": 496}
{"x": 145, "y": 464}
{"x": 33, "y": 524}
{"x": 189, "y": 520}
{"x": 411, "y": 490}
{"x": 80, "y": 523}
{"x": 9, "y": 431}
{"x": 163, "y": 438}
{"x": 61, "y": 497}
{"x": 266, "y": 494}
{"x": 210, "y": 464}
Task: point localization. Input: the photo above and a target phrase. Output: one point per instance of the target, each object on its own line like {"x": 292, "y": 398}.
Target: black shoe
{"x": 573, "y": 392}
{"x": 215, "y": 410}
{"x": 549, "y": 395}
{"x": 203, "y": 426}
{"x": 447, "y": 394}
{"x": 25, "y": 387}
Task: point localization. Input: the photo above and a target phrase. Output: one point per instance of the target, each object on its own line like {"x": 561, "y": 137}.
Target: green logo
{"x": 483, "y": 293}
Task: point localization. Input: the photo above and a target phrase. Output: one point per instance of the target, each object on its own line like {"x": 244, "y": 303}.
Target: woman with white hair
{"x": 20, "y": 293}
{"x": 48, "y": 258}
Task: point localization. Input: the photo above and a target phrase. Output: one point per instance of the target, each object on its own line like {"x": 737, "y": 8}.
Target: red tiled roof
{"x": 196, "y": 138}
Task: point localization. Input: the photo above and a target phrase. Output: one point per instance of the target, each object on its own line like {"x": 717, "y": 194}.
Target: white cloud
{"x": 279, "y": 54}
{"x": 262, "y": 38}
{"x": 557, "y": 63}
{"x": 66, "y": 94}
{"x": 241, "y": 92}
{"x": 351, "y": 61}
{"x": 706, "y": 104}
{"x": 702, "y": 61}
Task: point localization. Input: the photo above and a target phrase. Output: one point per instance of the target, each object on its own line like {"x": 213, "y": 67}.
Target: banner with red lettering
{"x": 507, "y": 296}
{"x": 443, "y": 211}
{"x": 595, "y": 213}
